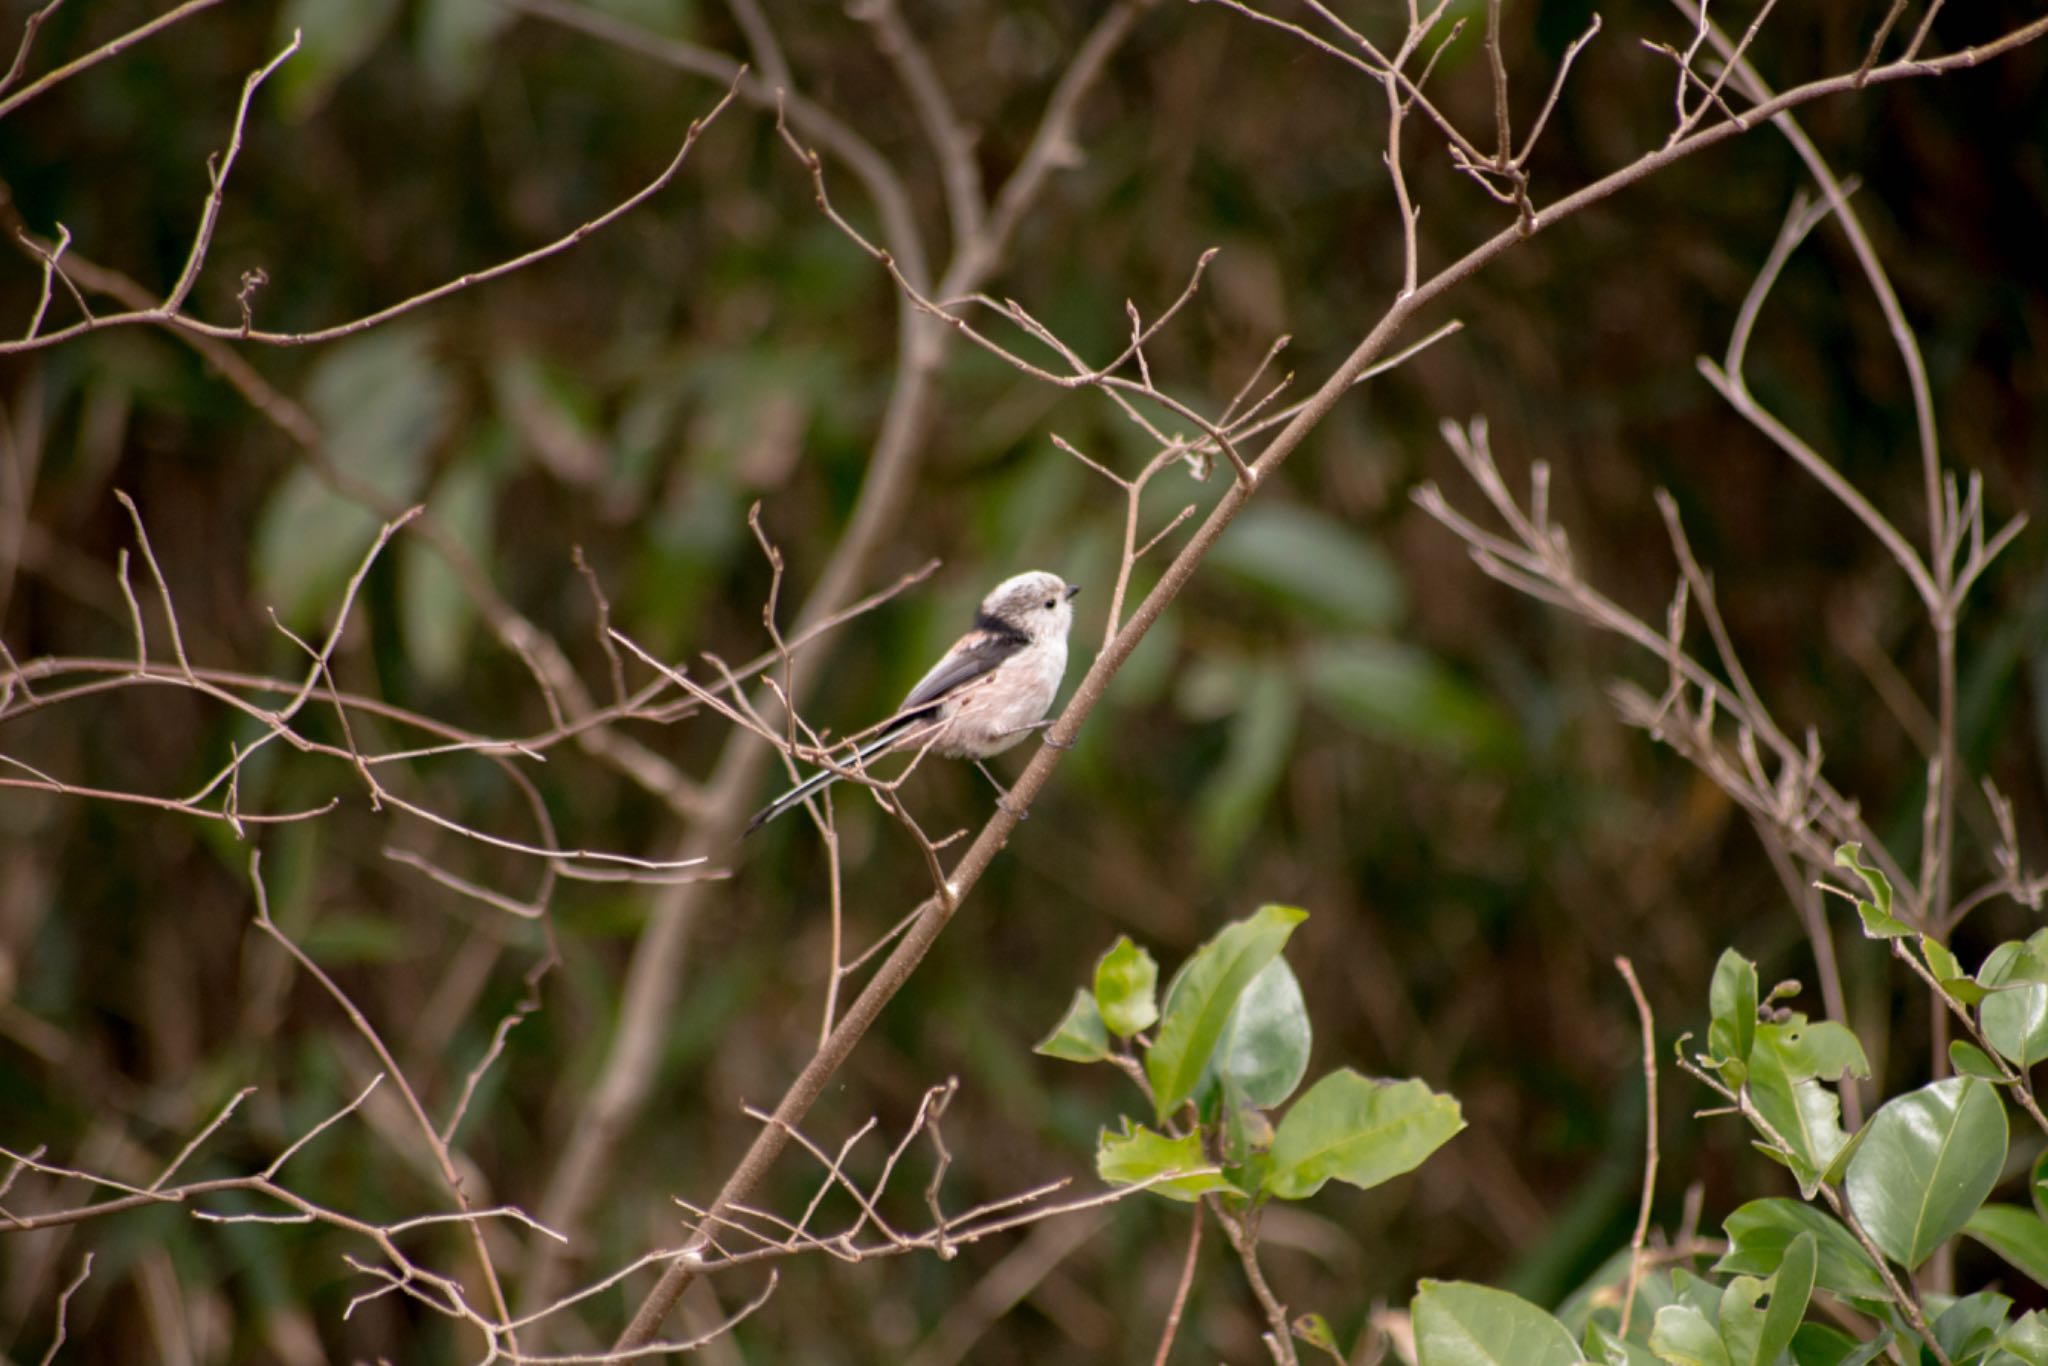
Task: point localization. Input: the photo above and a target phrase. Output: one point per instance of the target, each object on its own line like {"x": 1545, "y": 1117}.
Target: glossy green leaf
{"x": 1972, "y": 1325}
{"x": 1732, "y": 1000}
{"x": 2014, "y": 1015}
{"x": 1081, "y": 1036}
{"x": 1603, "y": 1346}
{"x": 1311, "y": 562}
{"x": 1761, "y": 1232}
{"x": 1928, "y": 1161}
{"x": 1972, "y": 1061}
{"x": 1460, "y": 1324}
{"x": 2015, "y": 1233}
{"x": 1741, "y": 1320}
{"x": 1204, "y": 993}
{"x": 1949, "y": 973}
{"x": 1139, "y": 1154}
{"x": 2027, "y": 1339}
{"x": 1701, "y": 1294}
{"x": 1822, "y": 1049}
{"x": 1791, "y": 1290}
{"x": 1353, "y": 1129}
{"x": 1127, "y": 988}
{"x": 1878, "y": 920}
{"x": 1264, "y": 1047}
{"x": 1802, "y": 1113}
{"x": 1817, "y": 1344}
{"x": 1682, "y": 1336}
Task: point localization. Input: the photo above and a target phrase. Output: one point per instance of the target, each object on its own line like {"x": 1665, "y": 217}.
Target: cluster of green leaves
{"x": 2006, "y": 1002}
{"x": 1916, "y": 1175}
{"x": 1231, "y": 1045}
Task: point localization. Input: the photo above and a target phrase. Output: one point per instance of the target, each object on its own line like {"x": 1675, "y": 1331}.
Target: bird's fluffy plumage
{"x": 985, "y": 694}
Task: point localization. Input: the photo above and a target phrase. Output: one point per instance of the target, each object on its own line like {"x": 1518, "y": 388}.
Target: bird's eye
{"x": 1050, "y": 603}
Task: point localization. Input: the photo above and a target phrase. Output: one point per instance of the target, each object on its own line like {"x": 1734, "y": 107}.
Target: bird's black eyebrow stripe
{"x": 1002, "y": 630}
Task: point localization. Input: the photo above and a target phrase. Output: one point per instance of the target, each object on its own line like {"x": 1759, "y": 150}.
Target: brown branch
{"x": 113, "y": 48}
{"x": 1642, "y": 1233}
{"x": 169, "y": 313}
{"x": 936, "y": 913}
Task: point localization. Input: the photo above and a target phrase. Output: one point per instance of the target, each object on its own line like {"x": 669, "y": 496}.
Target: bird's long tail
{"x": 825, "y": 777}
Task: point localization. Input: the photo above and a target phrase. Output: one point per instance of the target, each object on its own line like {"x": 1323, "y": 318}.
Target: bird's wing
{"x": 974, "y": 654}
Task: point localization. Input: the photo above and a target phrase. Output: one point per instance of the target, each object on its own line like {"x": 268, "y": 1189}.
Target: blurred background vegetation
{"x": 1341, "y": 713}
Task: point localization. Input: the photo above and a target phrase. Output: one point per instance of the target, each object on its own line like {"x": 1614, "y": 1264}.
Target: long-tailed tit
{"x": 993, "y": 687}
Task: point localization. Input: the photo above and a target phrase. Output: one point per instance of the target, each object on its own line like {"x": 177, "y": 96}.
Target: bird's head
{"x": 1037, "y": 605}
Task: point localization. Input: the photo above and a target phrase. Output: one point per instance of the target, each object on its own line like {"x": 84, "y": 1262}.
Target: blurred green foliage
{"x": 1341, "y": 713}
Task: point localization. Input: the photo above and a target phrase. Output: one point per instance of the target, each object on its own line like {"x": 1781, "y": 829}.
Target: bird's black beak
{"x": 1072, "y": 589}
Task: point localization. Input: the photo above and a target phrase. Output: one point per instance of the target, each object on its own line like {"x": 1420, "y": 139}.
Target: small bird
{"x": 993, "y": 687}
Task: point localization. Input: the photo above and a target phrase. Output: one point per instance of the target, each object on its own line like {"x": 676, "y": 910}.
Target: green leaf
{"x": 1732, "y": 1000}
{"x": 1930, "y": 1158}
{"x": 1949, "y": 973}
{"x": 335, "y": 38}
{"x": 1139, "y": 1154}
{"x": 1878, "y": 920}
{"x": 2027, "y": 1339}
{"x": 1790, "y": 1290}
{"x": 1263, "y": 1050}
{"x": 1081, "y": 1036}
{"x": 1312, "y": 562}
{"x": 1204, "y": 993}
{"x": 1233, "y": 801}
{"x": 1816, "y": 1344}
{"x": 382, "y": 402}
{"x": 1803, "y": 1113}
{"x": 1702, "y": 1295}
{"x": 1761, "y": 1232}
{"x": 1824, "y": 1050}
{"x": 1972, "y": 1324}
{"x": 1682, "y": 1336}
{"x": 1741, "y": 1320}
{"x": 1126, "y": 988}
{"x": 2014, "y": 1014}
{"x": 2015, "y": 1233}
{"x": 1602, "y": 1345}
{"x": 344, "y": 939}
{"x": 1360, "y": 1131}
{"x": 454, "y": 42}
{"x": 1460, "y": 1324}
{"x": 1402, "y": 694}
{"x": 436, "y": 615}
{"x": 1972, "y": 1061}
{"x": 1314, "y": 1330}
